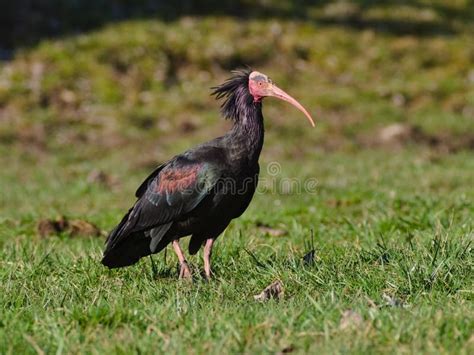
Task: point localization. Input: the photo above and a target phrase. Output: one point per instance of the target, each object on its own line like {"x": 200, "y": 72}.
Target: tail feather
{"x": 121, "y": 229}
{"x": 125, "y": 247}
{"x": 128, "y": 252}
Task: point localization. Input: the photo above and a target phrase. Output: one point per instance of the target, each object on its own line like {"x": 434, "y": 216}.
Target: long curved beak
{"x": 275, "y": 91}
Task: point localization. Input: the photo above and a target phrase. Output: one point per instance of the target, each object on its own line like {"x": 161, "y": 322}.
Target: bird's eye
{"x": 270, "y": 81}
{"x": 260, "y": 83}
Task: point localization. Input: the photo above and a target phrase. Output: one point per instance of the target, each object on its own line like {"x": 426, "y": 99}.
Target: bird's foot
{"x": 208, "y": 275}
{"x": 185, "y": 271}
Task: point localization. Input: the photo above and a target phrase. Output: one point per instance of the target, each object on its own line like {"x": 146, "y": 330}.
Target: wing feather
{"x": 171, "y": 191}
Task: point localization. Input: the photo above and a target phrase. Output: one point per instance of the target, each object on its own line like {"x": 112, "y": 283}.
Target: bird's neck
{"x": 246, "y": 136}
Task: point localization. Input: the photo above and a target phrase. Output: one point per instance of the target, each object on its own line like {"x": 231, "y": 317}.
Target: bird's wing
{"x": 144, "y": 185}
{"x": 172, "y": 191}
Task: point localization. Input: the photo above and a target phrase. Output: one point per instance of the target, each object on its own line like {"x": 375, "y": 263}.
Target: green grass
{"x": 399, "y": 228}
{"x": 392, "y": 222}
{"x": 142, "y": 79}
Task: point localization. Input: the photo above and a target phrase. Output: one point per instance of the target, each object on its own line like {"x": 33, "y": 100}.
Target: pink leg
{"x": 207, "y": 257}
{"x": 184, "y": 272}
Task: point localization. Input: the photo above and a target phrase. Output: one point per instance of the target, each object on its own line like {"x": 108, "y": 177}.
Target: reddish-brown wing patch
{"x": 177, "y": 179}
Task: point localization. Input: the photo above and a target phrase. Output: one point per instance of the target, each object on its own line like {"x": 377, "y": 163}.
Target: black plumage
{"x": 198, "y": 192}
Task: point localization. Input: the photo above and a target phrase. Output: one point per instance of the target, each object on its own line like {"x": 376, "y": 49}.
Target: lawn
{"x": 382, "y": 188}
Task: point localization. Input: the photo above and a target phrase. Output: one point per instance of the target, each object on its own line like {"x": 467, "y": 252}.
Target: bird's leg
{"x": 184, "y": 271}
{"x": 207, "y": 257}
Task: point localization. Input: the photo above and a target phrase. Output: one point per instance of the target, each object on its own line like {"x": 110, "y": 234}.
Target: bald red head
{"x": 261, "y": 86}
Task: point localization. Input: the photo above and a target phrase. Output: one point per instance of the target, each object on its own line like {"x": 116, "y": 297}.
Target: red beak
{"x": 279, "y": 93}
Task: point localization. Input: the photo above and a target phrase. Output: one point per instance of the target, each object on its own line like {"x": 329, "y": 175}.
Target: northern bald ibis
{"x": 199, "y": 192}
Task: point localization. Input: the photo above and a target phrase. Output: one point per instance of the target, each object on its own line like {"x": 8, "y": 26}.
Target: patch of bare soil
{"x": 73, "y": 227}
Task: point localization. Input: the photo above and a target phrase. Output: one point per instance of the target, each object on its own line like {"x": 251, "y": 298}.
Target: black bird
{"x": 199, "y": 192}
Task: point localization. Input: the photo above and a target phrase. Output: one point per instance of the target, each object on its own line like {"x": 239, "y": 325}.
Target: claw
{"x": 185, "y": 271}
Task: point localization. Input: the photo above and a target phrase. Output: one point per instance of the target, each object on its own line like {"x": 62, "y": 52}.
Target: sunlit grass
{"x": 393, "y": 243}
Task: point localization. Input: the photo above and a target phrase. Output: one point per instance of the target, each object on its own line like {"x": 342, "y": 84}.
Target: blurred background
{"x": 96, "y": 93}
{"x": 121, "y": 85}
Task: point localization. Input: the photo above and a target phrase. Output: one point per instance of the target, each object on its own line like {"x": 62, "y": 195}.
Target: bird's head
{"x": 261, "y": 86}
{"x": 247, "y": 88}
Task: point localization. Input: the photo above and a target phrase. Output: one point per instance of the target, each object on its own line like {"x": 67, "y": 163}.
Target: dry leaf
{"x": 274, "y": 290}
{"x": 273, "y": 232}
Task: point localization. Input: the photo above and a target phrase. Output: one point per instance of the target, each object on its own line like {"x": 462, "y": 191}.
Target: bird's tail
{"x": 123, "y": 247}
{"x": 128, "y": 252}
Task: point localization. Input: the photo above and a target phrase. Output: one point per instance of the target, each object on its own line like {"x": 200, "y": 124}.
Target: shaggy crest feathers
{"x": 237, "y": 98}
